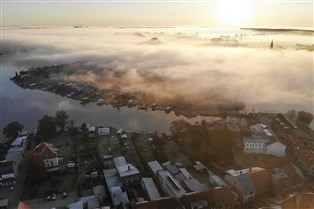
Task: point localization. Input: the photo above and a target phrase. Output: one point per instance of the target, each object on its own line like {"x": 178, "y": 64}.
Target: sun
{"x": 233, "y": 12}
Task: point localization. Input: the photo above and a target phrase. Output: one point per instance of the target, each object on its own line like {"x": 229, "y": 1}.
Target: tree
{"x": 84, "y": 130}
{"x": 13, "y": 129}
{"x": 35, "y": 168}
{"x": 81, "y": 180}
{"x": 178, "y": 126}
{"x": 61, "y": 119}
{"x": 47, "y": 127}
{"x": 305, "y": 117}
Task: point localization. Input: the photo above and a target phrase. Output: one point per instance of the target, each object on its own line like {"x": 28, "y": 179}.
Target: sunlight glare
{"x": 233, "y": 12}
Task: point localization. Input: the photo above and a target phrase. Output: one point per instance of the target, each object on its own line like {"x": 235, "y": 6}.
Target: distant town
{"x": 249, "y": 160}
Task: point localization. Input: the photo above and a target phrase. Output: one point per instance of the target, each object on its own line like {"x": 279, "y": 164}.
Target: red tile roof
{"x": 46, "y": 150}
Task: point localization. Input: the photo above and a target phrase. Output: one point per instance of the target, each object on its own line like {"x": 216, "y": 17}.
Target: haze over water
{"x": 199, "y": 65}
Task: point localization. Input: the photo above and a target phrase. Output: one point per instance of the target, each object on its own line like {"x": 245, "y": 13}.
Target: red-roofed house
{"x": 49, "y": 154}
{"x": 223, "y": 198}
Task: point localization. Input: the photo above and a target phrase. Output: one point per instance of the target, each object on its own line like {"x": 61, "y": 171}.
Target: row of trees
{"x": 47, "y": 126}
{"x": 204, "y": 145}
{"x": 302, "y": 116}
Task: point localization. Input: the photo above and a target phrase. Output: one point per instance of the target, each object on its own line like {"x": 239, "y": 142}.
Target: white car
{"x": 71, "y": 165}
{"x": 53, "y": 197}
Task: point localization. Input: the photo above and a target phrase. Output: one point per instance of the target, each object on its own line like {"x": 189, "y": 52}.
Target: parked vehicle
{"x": 48, "y": 198}
{"x": 53, "y": 197}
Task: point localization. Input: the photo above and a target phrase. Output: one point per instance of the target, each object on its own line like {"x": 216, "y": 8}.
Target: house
{"x": 193, "y": 185}
{"x": 239, "y": 121}
{"x": 4, "y": 204}
{"x": 103, "y": 131}
{"x": 15, "y": 154}
{"x": 153, "y": 167}
{"x": 182, "y": 175}
{"x": 171, "y": 167}
{"x": 91, "y": 131}
{"x": 279, "y": 122}
{"x": 100, "y": 192}
{"x": 118, "y": 196}
{"x": 242, "y": 184}
{"x": 197, "y": 200}
{"x": 303, "y": 152}
{"x": 8, "y": 172}
{"x": 76, "y": 205}
{"x": 276, "y": 149}
{"x": 114, "y": 185}
{"x": 20, "y": 141}
{"x": 223, "y": 198}
{"x": 255, "y": 145}
{"x": 128, "y": 174}
{"x": 261, "y": 179}
{"x": 49, "y": 155}
{"x": 199, "y": 166}
{"x": 124, "y": 140}
{"x": 259, "y": 176}
{"x": 287, "y": 179}
{"x": 262, "y": 130}
{"x": 162, "y": 203}
{"x": 216, "y": 181}
{"x": 169, "y": 185}
{"x": 150, "y": 189}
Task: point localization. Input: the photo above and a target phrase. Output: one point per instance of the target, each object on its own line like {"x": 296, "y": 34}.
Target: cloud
{"x": 191, "y": 70}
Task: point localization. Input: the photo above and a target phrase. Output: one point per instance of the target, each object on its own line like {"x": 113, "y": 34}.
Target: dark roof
{"x": 245, "y": 183}
{"x": 173, "y": 169}
{"x": 222, "y": 196}
{"x": 164, "y": 203}
{"x": 291, "y": 177}
{"x": 188, "y": 198}
{"x": 6, "y": 167}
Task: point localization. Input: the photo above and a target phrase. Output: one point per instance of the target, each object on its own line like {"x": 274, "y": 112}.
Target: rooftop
{"x": 151, "y": 188}
{"x": 193, "y": 185}
{"x": 172, "y": 183}
{"x": 119, "y": 161}
{"x": 154, "y": 166}
{"x": 255, "y": 140}
{"x": 18, "y": 141}
{"x": 46, "y": 150}
{"x": 127, "y": 170}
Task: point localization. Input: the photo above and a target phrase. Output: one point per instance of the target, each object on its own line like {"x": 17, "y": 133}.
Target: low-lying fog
{"x": 198, "y": 65}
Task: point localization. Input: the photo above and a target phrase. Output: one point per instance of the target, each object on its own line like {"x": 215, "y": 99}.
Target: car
{"x": 64, "y": 195}
{"x": 48, "y": 198}
{"x": 71, "y": 165}
{"x": 53, "y": 197}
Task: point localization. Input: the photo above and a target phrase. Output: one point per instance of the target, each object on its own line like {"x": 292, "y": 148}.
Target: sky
{"x": 261, "y": 13}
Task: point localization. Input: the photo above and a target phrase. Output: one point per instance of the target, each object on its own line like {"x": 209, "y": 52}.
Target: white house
{"x": 103, "y": 131}
{"x": 255, "y": 145}
{"x": 49, "y": 155}
{"x": 276, "y": 149}
{"x": 8, "y": 172}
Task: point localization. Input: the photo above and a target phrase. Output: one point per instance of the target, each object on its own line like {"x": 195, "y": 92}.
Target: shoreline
{"x": 48, "y": 79}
